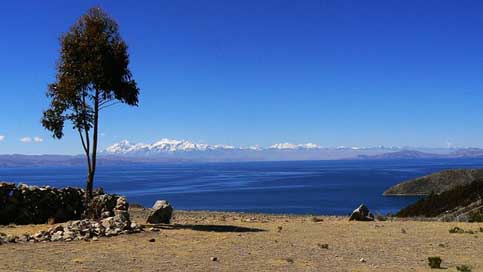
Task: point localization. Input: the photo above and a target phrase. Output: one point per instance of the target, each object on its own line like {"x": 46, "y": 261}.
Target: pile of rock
{"x": 77, "y": 230}
{"x": 87, "y": 229}
{"x": 25, "y": 204}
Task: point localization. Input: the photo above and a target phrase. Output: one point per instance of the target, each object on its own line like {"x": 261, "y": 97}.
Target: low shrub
{"x": 434, "y": 262}
{"x": 316, "y": 219}
{"x": 380, "y": 217}
{"x": 324, "y": 246}
{"x": 456, "y": 230}
{"x": 476, "y": 217}
{"x": 463, "y": 268}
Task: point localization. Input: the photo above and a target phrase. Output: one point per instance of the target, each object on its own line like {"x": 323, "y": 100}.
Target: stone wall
{"x": 25, "y": 204}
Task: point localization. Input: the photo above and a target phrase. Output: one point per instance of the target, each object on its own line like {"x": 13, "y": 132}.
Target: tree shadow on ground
{"x": 209, "y": 228}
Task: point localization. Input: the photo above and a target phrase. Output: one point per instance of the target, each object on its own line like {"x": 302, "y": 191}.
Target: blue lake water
{"x": 303, "y": 187}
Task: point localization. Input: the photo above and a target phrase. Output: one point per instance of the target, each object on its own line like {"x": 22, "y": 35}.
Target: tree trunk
{"x": 89, "y": 188}
{"x": 96, "y": 130}
{"x": 92, "y": 159}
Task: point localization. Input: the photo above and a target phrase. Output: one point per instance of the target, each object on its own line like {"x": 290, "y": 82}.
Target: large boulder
{"x": 160, "y": 213}
{"x": 361, "y": 214}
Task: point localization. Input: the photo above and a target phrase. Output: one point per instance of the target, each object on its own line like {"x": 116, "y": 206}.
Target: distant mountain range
{"x": 171, "y": 146}
{"x": 177, "y": 149}
{"x": 168, "y": 150}
{"x": 414, "y": 154}
{"x": 280, "y": 151}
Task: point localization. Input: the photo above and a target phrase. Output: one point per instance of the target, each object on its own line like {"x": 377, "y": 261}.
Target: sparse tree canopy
{"x": 92, "y": 74}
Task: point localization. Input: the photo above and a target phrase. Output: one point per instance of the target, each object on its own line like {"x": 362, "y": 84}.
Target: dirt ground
{"x": 255, "y": 242}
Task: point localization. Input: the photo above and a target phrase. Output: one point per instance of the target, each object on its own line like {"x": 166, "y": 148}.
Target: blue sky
{"x": 354, "y": 73}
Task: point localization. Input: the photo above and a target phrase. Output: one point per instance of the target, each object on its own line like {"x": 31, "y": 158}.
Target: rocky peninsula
{"x": 435, "y": 183}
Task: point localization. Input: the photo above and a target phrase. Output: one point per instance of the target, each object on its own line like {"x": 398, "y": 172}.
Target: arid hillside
{"x": 435, "y": 183}
{"x": 207, "y": 241}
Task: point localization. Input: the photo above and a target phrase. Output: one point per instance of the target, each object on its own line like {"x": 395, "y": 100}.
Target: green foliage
{"x": 434, "y": 204}
{"x": 463, "y": 268}
{"x": 434, "y": 262}
{"x": 476, "y": 217}
{"x": 92, "y": 72}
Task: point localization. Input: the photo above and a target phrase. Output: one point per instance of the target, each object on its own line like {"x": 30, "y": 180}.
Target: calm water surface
{"x": 309, "y": 187}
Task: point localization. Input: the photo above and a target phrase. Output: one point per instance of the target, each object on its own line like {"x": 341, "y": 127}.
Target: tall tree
{"x": 92, "y": 74}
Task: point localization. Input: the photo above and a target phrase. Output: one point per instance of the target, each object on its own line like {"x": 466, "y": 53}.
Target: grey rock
{"x": 160, "y": 213}
{"x": 57, "y": 236}
{"x": 68, "y": 235}
{"x": 122, "y": 204}
{"x": 361, "y": 214}
{"x": 23, "y": 238}
{"x": 11, "y": 238}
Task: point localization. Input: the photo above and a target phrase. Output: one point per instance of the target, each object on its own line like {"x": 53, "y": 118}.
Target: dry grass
{"x": 244, "y": 242}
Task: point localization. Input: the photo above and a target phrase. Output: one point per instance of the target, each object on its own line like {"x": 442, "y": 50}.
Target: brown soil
{"x": 254, "y": 242}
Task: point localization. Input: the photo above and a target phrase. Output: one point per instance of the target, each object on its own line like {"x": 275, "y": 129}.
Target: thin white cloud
{"x": 35, "y": 139}
{"x": 2, "y": 138}
{"x": 26, "y": 140}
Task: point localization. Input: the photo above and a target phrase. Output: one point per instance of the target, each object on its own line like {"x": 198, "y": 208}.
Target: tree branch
{"x": 86, "y": 150}
{"x": 109, "y": 105}
{"x": 103, "y": 102}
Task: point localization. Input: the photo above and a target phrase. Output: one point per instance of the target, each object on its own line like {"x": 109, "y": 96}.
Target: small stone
{"x": 56, "y": 228}
{"x": 95, "y": 238}
{"x": 214, "y": 259}
{"x": 11, "y": 238}
{"x": 23, "y": 238}
{"x": 324, "y": 246}
{"x": 68, "y": 235}
{"x": 362, "y": 260}
{"x": 152, "y": 240}
{"x": 57, "y": 236}
{"x": 106, "y": 214}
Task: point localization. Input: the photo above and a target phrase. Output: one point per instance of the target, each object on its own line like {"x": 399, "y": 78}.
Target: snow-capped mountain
{"x": 171, "y": 146}
{"x": 288, "y": 146}
{"x": 162, "y": 146}
{"x": 186, "y": 150}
